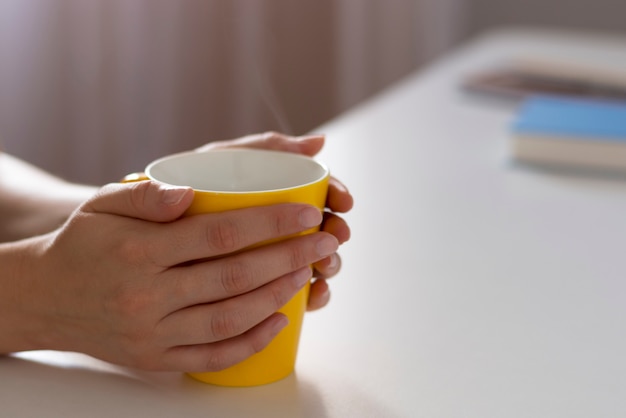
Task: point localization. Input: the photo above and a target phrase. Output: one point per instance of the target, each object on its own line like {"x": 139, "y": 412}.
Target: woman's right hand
{"x": 120, "y": 280}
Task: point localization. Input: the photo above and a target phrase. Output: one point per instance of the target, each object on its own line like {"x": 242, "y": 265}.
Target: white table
{"x": 471, "y": 287}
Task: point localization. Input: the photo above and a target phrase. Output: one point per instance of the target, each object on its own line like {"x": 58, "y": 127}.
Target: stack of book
{"x": 571, "y": 132}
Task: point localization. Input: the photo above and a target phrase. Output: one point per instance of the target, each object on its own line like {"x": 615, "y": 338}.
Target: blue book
{"x": 571, "y": 132}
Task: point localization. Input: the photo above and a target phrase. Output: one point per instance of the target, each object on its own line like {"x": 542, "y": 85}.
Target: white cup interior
{"x": 237, "y": 170}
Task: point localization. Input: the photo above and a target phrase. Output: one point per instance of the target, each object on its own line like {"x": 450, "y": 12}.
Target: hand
{"x": 121, "y": 281}
{"x": 339, "y": 200}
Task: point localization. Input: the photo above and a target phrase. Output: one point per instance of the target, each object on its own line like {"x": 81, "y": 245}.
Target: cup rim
{"x": 325, "y": 170}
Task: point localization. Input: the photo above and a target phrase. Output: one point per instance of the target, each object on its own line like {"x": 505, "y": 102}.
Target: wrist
{"x": 34, "y": 202}
{"x": 21, "y": 327}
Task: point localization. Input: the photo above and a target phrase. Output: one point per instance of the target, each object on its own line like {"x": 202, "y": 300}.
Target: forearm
{"x": 33, "y": 202}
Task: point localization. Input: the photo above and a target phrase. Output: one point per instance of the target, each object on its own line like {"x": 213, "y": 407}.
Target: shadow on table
{"x": 33, "y": 388}
{"x": 59, "y": 384}
{"x": 289, "y": 397}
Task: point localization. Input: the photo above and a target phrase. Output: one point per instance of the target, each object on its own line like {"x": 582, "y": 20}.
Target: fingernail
{"x": 327, "y": 246}
{"x": 310, "y": 217}
{"x": 333, "y": 261}
{"x": 326, "y": 296}
{"x": 308, "y": 137}
{"x": 172, "y": 195}
{"x": 302, "y": 276}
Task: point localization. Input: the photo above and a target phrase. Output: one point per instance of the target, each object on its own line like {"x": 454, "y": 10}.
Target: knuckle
{"x": 217, "y": 360}
{"x": 271, "y": 136}
{"x": 224, "y": 324}
{"x": 130, "y": 302}
{"x": 223, "y": 236}
{"x": 273, "y": 139}
{"x": 130, "y": 313}
{"x": 144, "y": 360}
{"x": 277, "y": 224}
{"x": 279, "y": 296}
{"x": 236, "y": 278}
{"x": 137, "y": 196}
{"x": 131, "y": 251}
{"x": 297, "y": 255}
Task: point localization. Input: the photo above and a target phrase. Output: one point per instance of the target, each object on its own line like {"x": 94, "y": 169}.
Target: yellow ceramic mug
{"x": 238, "y": 178}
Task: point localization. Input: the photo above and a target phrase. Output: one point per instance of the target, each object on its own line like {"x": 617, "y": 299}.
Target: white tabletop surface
{"x": 471, "y": 287}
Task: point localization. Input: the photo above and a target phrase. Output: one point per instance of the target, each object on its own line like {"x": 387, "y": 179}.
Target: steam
{"x": 271, "y": 100}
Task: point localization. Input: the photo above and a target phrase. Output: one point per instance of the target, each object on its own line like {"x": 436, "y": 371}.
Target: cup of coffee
{"x": 238, "y": 178}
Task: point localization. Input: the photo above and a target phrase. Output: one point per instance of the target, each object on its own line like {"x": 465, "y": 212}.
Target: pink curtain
{"x": 93, "y": 89}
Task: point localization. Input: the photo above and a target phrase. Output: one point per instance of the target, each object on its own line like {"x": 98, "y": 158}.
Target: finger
{"x": 220, "y": 355}
{"x": 328, "y": 267}
{"x": 207, "y": 323}
{"x": 211, "y": 235}
{"x": 319, "y": 295}
{"x": 214, "y": 280}
{"x": 339, "y": 198}
{"x": 147, "y": 200}
{"x": 307, "y": 145}
{"x": 337, "y": 226}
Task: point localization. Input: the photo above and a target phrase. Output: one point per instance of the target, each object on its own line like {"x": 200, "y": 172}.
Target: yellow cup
{"x": 238, "y": 178}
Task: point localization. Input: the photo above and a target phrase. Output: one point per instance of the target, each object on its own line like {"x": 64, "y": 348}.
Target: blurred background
{"x": 94, "y": 89}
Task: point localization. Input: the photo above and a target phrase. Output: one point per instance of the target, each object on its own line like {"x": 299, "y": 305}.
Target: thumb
{"x": 147, "y": 200}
